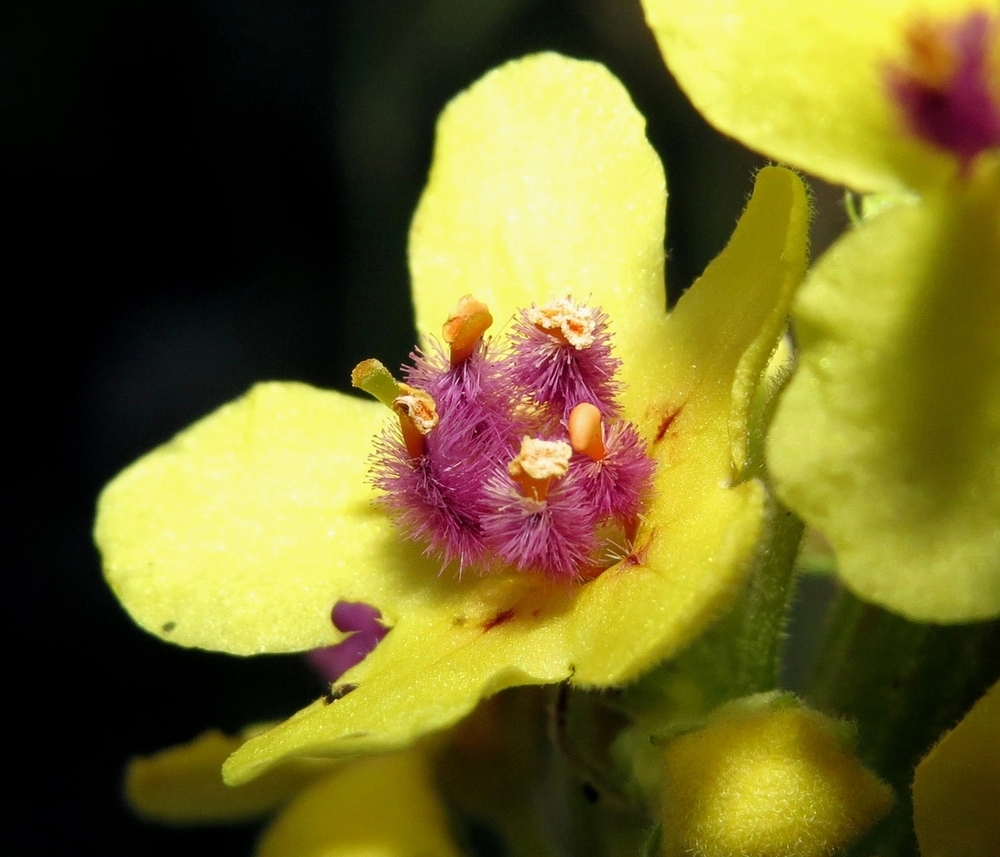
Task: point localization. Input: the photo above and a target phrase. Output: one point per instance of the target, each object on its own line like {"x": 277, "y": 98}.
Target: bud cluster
{"x": 527, "y": 463}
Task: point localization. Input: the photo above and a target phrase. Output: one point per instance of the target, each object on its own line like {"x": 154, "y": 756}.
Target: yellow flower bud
{"x": 763, "y": 779}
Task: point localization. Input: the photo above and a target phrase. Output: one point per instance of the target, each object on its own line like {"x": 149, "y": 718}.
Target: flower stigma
{"x": 510, "y": 452}
{"x": 948, "y": 85}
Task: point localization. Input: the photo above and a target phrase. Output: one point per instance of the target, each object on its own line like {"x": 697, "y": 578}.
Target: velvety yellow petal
{"x": 429, "y": 672}
{"x": 697, "y": 386}
{"x": 543, "y": 184}
{"x": 888, "y": 438}
{"x": 183, "y": 785}
{"x": 241, "y": 533}
{"x": 804, "y": 82}
{"x": 956, "y": 790}
{"x": 442, "y": 657}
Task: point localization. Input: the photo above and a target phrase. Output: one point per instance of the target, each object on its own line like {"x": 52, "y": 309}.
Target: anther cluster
{"x": 527, "y": 463}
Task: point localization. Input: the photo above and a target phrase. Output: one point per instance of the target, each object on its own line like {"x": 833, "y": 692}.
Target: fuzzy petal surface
{"x": 441, "y": 658}
{"x": 543, "y": 184}
{"x": 241, "y": 533}
{"x": 956, "y": 789}
{"x": 888, "y": 437}
{"x": 804, "y": 83}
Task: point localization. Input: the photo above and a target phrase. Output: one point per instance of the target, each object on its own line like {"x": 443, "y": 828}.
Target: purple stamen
{"x": 621, "y": 481}
{"x": 554, "y": 536}
{"x": 457, "y": 496}
{"x": 559, "y": 374}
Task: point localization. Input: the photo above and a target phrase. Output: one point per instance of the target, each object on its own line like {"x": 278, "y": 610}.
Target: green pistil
{"x": 372, "y": 377}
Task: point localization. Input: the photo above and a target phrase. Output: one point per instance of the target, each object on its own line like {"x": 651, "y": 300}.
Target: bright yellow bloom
{"x": 241, "y": 533}
{"x": 888, "y": 437}
{"x": 384, "y": 805}
{"x": 956, "y": 790}
{"x": 766, "y": 778}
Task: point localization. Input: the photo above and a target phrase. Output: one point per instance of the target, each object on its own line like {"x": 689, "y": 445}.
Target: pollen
{"x": 569, "y": 321}
{"x": 417, "y": 416}
{"x": 418, "y": 406}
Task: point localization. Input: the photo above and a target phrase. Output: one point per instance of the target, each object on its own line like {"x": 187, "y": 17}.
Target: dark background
{"x": 206, "y": 193}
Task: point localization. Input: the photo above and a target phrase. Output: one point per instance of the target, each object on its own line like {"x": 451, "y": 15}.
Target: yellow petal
{"x": 765, "y": 782}
{"x": 888, "y": 438}
{"x": 429, "y": 672}
{"x": 804, "y": 82}
{"x": 956, "y": 790}
{"x": 241, "y": 533}
{"x": 183, "y": 785}
{"x": 442, "y": 657}
{"x": 380, "y": 807}
{"x": 696, "y": 387}
{"x": 543, "y": 184}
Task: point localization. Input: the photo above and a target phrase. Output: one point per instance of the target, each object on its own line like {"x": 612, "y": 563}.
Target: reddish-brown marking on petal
{"x": 666, "y": 422}
{"x": 500, "y": 618}
{"x": 637, "y": 556}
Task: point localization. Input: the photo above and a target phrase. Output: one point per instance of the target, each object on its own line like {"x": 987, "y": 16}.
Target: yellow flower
{"x": 956, "y": 789}
{"x": 241, "y": 533}
{"x": 384, "y": 805}
{"x": 888, "y": 437}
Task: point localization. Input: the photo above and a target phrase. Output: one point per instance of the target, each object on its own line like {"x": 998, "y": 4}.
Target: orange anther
{"x": 466, "y": 324}
{"x": 586, "y": 431}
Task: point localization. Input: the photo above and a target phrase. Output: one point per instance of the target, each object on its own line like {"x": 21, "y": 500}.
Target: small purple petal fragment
{"x": 350, "y": 616}
{"x": 960, "y": 113}
{"x": 363, "y": 623}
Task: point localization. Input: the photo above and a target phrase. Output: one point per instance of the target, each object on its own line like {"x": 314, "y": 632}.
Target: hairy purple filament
{"x": 461, "y": 498}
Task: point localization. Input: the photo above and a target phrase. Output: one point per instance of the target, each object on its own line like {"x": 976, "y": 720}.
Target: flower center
{"x": 512, "y": 453}
{"x": 948, "y": 85}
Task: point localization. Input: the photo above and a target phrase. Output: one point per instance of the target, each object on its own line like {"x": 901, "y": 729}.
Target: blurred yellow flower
{"x": 385, "y": 805}
{"x": 888, "y": 437}
{"x": 241, "y": 533}
{"x": 956, "y": 790}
